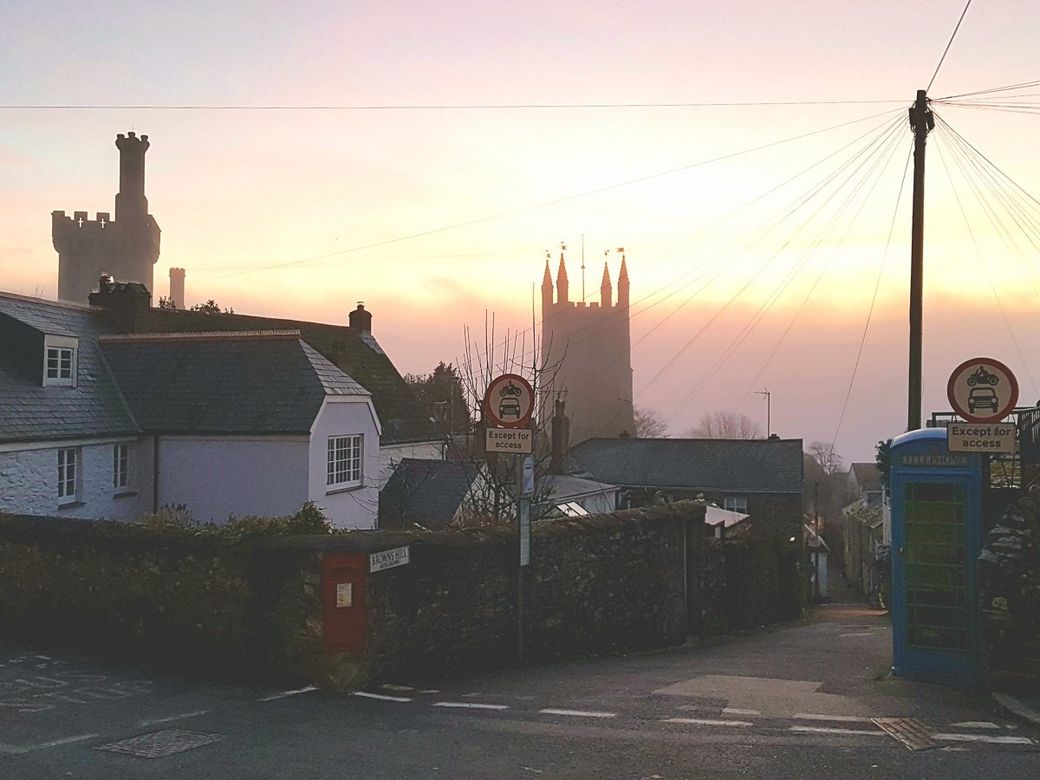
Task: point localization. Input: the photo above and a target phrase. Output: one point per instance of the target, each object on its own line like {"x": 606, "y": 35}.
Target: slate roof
{"x": 733, "y": 465}
{"x": 566, "y": 487}
{"x": 31, "y": 412}
{"x": 227, "y": 383}
{"x": 357, "y": 353}
{"x": 427, "y": 492}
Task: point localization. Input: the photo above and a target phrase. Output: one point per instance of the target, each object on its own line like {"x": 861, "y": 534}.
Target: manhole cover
{"x": 161, "y": 743}
{"x": 913, "y": 733}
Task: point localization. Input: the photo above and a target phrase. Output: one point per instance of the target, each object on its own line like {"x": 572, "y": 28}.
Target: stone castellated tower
{"x": 590, "y": 348}
{"x": 126, "y": 247}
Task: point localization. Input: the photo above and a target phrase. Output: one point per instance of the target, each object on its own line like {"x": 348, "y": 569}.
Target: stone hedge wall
{"x": 256, "y": 606}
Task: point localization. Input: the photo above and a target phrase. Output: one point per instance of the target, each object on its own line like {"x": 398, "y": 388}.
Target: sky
{"x": 768, "y": 245}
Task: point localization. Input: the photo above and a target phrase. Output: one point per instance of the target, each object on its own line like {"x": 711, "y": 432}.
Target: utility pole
{"x": 921, "y": 122}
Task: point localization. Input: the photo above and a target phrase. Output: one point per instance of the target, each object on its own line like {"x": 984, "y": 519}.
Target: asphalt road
{"x": 794, "y": 701}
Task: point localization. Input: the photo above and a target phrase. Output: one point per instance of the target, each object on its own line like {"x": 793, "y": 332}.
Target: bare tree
{"x": 826, "y": 456}
{"x": 493, "y": 499}
{"x": 649, "y": 425}
{"x": 726, "y": 425}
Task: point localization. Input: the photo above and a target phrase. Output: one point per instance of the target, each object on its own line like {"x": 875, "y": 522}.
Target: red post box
{"x": 343, "y": 596}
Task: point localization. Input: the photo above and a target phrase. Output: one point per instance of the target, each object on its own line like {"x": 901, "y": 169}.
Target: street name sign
{"x": 388, "y": 559}
{"x": 517, "y": 441}
{"x": 982, "y": 437}
{"x": 982, "y": 390}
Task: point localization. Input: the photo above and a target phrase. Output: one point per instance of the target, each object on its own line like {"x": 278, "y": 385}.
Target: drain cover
{"x": 913, "y": 733}
{"x": 162, "y": 743}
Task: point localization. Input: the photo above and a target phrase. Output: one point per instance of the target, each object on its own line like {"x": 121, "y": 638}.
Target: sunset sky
{"x": 745, "y": 274}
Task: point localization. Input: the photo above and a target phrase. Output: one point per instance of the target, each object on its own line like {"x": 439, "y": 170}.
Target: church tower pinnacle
{"x": 606, "y": 292}
{"x": 547, "y": 288}
{"x": 562, "y": 285}
{"x": 622, "y": 284}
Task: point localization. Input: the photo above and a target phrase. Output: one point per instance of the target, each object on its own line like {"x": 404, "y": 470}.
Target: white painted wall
{"x": 29, "y": 480}
{"x": 355, "y": 507}
{"x": 219, "y": 476}
{"x": 391, "y": 454}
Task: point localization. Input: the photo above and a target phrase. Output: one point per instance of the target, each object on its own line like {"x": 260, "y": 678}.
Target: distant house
{"x": 408, "y": 430}
{"x": 96, "y": 425}
{"x": 865, "y": 482}
{"x": 431, "y": 494}
{"x": 761, "y": 478}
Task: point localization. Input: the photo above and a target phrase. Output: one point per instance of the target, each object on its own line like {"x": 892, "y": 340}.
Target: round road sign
{"x": 982, "y": 390}
{"x": 509, "y": 402}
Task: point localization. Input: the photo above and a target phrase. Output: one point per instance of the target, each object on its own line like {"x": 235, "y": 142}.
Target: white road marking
{"x": 825, "y": 730}
{"x": 734, "y": 711}
{"x": 403, "y": 688}
{"x": 984, "y": 738}
{"x": 286, "y": 694}
{"x": 579, "y": 713}
{"x": 16, "y": 750}
{"x": 708, "y": 722}
{"x": 975, "y": 724}
{"x": 472, "y": 705}
{"x": 836, "y": 718}
{"x": 379, "y": 696}
{"x": 430, "y": 690}
{"x": 858, "y": 633}
{"x": 156, "y": 721}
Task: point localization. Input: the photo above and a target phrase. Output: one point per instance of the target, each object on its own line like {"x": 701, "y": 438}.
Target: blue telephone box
{"x": 936, "y": 537}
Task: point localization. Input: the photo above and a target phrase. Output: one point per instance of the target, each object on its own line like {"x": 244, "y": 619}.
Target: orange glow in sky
{"x": 434, "y": 216}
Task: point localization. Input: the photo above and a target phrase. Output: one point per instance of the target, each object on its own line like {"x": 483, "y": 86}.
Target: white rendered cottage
{"x": 102, "y": 426}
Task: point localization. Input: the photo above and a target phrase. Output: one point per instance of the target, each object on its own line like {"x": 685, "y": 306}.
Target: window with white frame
{"x": 120, "y": 465}
{"x": 735, "y": 504}
{"x": 344, "y": 464}
{"x": 59, "y": 360}
{"x": 67, "y": 473}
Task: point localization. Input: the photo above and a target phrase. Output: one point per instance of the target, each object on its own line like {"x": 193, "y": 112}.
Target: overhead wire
{"x": 346, "y": 107}
{"x": 869, "y": 168}
{"x": 790, "y": 211}
{"x": 634, "y": 312}
{"x": 978, "y": 250}
{"x": 942, "y": 59}
{"x": 543, "y": 204}
{"x": 873, "y": 299}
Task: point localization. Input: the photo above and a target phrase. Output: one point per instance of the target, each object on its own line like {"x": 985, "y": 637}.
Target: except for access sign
{"x": 509, "y": 402}
{"x": 982, "y": 390}
{"x": 982, "y": 437}
{"x": 517, "y": 441}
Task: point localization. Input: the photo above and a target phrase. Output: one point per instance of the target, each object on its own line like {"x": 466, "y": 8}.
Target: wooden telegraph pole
{"x": 921, "y": 122}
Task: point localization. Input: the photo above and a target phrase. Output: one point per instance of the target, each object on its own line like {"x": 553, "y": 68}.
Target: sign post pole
{"x": 508, "y": 407}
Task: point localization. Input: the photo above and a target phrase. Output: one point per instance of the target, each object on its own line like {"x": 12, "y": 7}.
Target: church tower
{"x": 587, "y": 354}
{"x": 126, "y": 247}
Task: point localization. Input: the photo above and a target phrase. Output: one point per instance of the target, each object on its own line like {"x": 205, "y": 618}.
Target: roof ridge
{"x": 212, "y": 335}
{"x": 49, "y": 302}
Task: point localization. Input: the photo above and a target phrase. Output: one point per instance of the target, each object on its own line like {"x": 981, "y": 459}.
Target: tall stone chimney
{"x": 177, "y": 287}
{"x": 128, "y": 303}
{"x": 360, "y": 319}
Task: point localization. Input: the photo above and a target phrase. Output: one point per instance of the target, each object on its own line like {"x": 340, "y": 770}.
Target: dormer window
{"x": 59, "y": 360}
